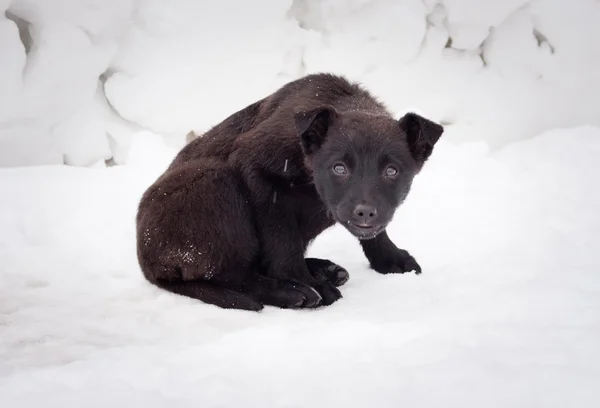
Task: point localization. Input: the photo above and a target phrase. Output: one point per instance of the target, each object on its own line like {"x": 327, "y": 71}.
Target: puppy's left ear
{"x": 312, "y": 126}
{"x": 421, "y": 135}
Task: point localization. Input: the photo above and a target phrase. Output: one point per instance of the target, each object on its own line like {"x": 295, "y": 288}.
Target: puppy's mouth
{"x": 363, "y": 231}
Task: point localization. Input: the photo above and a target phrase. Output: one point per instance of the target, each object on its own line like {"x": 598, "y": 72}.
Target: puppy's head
{"x": 363, "y": 164}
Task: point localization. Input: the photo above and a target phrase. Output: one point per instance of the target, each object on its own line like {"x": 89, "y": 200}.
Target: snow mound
{"x": 51, "y": 77}
{"x": 506, "y": 313}
{"x": 79, "y": 79}
{"x": 187, "y": 65}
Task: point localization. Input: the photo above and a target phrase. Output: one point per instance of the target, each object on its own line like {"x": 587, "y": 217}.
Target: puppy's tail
{"x": 209, "y": 293}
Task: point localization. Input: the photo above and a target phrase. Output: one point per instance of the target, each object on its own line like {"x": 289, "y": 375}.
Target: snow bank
{"x": 48, "y": 82}
{"x": 80, "y": 78}
{"x": 496, "y": 70}
{"x": 505, "y": 314}
{"x": 186, "y": 65}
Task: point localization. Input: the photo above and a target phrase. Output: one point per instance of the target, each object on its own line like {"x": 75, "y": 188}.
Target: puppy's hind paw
{"x": 329, "y": 293}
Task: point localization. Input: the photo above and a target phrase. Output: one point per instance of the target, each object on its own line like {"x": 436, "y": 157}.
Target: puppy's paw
{"x": 299, "y": 295}
{"x": 399, "y": 261}
{"x": 328, "y": 292}
{"x": 325, "y": 270}
{"x": 336, "y": 274}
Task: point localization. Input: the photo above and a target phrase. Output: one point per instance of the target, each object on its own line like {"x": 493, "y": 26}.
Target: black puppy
{"x": 230, "y": 220}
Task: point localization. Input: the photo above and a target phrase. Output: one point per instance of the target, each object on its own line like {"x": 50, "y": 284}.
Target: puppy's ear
{"x": 312, "y": 126}
{"x": 421, "y": 135}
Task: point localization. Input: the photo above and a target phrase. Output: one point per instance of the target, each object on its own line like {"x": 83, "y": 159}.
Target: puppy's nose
{"x": 365, "y": 215}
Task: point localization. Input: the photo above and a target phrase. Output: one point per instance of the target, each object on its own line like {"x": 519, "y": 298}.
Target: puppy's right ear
{"x": 312, "y": 126}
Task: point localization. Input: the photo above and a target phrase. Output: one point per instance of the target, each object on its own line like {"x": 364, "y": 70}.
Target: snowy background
{"x": 504, "y": 218}
{"x": 79, "y": 78}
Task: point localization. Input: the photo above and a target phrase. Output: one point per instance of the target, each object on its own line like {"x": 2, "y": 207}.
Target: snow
{"x": 506, "y": 312}
{"x": 52, "y": 76}
{"x": 79, "y": 79}
{"x": 504, "y": 218}
{"x": 179, "y": 66}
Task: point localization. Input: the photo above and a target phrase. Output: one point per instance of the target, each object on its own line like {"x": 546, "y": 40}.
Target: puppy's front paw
{"x": 325, "y": 270}
{"x": 398, "y": 261}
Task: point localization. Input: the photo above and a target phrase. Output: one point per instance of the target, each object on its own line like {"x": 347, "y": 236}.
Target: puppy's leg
{"x": 282, "y": 247}
{"x": 212, "y": 294}
{"x": 385, "y": 257}
{"x": 323, "y": 269}
{"x": 282, "y": 253}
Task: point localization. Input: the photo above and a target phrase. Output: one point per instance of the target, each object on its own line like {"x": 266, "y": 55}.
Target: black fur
{"x": 230, "y": 220}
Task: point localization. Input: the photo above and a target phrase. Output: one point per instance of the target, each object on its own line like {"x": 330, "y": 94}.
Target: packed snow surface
{"x": 505, "y": 314}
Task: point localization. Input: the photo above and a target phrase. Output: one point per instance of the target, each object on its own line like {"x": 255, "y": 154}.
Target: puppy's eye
{"x": 391, "y": 171}
{"x": 339, "y": 169}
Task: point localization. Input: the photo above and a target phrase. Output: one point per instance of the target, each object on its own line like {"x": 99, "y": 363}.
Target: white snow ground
{"x": 506, "y": 313}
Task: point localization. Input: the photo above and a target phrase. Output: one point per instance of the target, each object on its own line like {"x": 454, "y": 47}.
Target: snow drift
{"x": 79, "y": 78}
